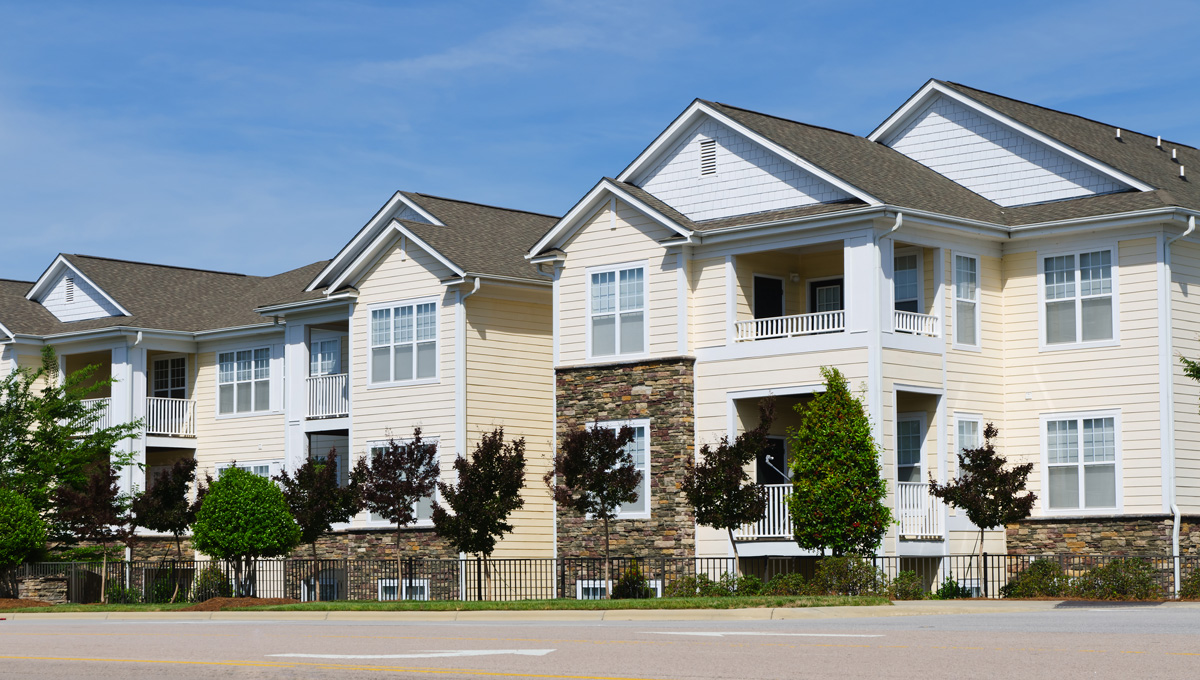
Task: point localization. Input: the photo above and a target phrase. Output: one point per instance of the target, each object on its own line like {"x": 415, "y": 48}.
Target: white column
{"x": 858, "y": 257}
{"x": 295, "y": 393}
{"x": 730, "y": 300}
{"x": 128, "y": 405}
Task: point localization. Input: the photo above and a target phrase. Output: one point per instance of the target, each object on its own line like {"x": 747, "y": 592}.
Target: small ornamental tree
{"x": 317, "y": 502}
{"x": 96, "y": 512}
{"x": 986, "y": 489}
{"x": 838, "y": 491}
{"x": 719, "y": 488}
{"x": 242, "y": 518}
{"x": 594, "y": 474}
{"x": 165, "y": 506}
{"x": 22, "y": 531}
{"x": 487, "y": 491}
{"x": 398, "y": 477}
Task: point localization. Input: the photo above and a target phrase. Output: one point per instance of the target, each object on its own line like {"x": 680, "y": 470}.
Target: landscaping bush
{"x": 907, "y": 586}
{"x": 787, "y": 584}
{"x": 950, "y": 590}
{"x": 684, "y": 586}
{"x": 1042, "y": 578}
{"x": 748, "y": 585}
{"x": 850, "y": 575}
{"x": 211, "y": 582}
{"x": 702, "y": 585}
{"x": 119, "y": 594}
{"x": 632, "y": 585}
{"x": 1125, "y": 579}
{"x": 1189, "y": 588}
{"x": 22, "y": 531}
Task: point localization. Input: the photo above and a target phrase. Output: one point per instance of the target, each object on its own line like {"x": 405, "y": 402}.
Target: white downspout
{"x": 1169, "y": 414}
{"x": 460, "y": 370}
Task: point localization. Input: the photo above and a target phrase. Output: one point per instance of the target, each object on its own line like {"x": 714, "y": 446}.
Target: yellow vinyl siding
{"x": 634, "y": 239}
{"x": 510, "y": 384}
{"x": 1185, "y": 341}
{"x": 708, "y": 302}
{"x": 221, "y": 440}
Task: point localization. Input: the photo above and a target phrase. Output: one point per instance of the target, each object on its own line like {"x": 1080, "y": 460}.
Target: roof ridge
{"x": 786, "y": 120}
{"x": 164, "y": 266}
{"x": 289, "y": 271}
{"x": 485, "y": 205}
{"x": 1067, "y": 113}
{"x": 4, "y": 280}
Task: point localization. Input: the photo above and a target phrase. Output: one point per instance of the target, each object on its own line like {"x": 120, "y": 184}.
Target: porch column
{"x": 295, "y": 400}
{"x": 128, "y": 405}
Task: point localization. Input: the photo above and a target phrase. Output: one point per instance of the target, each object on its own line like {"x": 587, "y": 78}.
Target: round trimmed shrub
{"x": 850, "y": 575}
{"x": 907, "y": 586}
{"x": 22, "y": 531}
{"x": 787, "y": 584}
{"x": 1042, "y": 578}
{"x": 1125, "y": 579}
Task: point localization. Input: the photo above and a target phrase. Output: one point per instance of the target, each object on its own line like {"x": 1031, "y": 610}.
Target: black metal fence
{"x": 988, "y": 576}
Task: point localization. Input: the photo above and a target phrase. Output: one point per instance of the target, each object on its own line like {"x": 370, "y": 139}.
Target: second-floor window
{"x": 244, "y": 381}
{"x": 617, "y": 311}
{"x": 1078, "y": 291}
{"x": 966, "y": 300}
{"x": 906, "y": 279}
{"x": 324, "y": 357}
{"x": 404, "y": 343}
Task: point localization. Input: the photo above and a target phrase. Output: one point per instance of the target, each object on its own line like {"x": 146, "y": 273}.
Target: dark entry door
{"x": 772, "y": 462}
{"x": 768, "y": 297}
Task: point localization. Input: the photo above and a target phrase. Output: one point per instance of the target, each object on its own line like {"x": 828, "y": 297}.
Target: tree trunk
{"x": 175, "y": 567}
{"x": 982, "y": 576}
{"x": 104, "y": 574}
{"x": 737, "y": 562}
{"x": 478, "y": 577}
{"x": 605, "y": 586}
{"x": 316, "y": 574}
{"x": 399, "y": 568}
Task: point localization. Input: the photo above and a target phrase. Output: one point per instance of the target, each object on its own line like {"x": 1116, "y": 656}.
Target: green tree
{"x": 593, "y": 473}
{"x": 987, "y": 489}
{"x": 838, "y": 492}
{"x": 317, "y": 502}
{"x": 398, "y": 477}
{"x": 244, "y": 517}
{"x": 719, "y": 488}
{"x": 49, "y": 437}
{"x": 22, "y": 530}
{"x": 488, "y": 490}
{"x": 97, "y": 511}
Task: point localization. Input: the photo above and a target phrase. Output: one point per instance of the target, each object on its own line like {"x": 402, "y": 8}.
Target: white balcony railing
{"x": 776, "y": 522}
{"x": 328, "y": 396}
{"x": 917, "y": 324}
{"x": 789, "y": 326}
{"x": 170, "y": 417}
{"x": 920, "y": 514}
{"x": 105, "y": 413}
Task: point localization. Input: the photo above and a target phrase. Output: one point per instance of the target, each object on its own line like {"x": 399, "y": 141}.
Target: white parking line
{"x": 712, "y": 634}
{"x": 432, "y": 654}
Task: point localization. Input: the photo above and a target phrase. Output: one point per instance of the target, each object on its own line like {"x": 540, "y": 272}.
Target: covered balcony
{"x": 328, "y": 384}
{"x": 791, "y": 292}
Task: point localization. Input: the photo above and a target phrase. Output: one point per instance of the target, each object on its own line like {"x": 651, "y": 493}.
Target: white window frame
{"x": 314, "y": 342}
{"x": 420, "y": 523}
{"x": 274, "y": 466}
{"x": 923, "y": 467}
{"x": 598, "y": 584}
{"x": 437, "y": 347}
{"x": 415, "y": 583}
{"x": 616, "y": 425}
{"x": 962, "y": 417}
{"x": 808, "y": 290}
{"x": 187, "y": 383}
{"x": 1118, "y": 462}
{"x": 271, "y": 382}
{"x": 1041, "y": 255}
{"x": 955, "y": 344}
{"x": 644, "y": 265}
{"x": 903, "y": 252}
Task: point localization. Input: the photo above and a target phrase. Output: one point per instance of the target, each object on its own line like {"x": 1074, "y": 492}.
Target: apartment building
{"x": 429, "y": 317}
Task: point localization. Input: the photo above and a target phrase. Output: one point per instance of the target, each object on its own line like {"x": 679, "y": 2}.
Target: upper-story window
{"x": 324, "y": 357}
{"x": 1081, "y": 459}
{"x": 906, "y": 278}
{"x": 1078, "y": 290}
{"x": 244, "y": 381}
{"x": 909, "y": 435}
{"x": 404, "y": 342}
{"x": 617, "y": 311}
{"x": 966, "y": 300}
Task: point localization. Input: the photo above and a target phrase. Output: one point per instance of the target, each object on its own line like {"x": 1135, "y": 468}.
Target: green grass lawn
{"x": 519, "y": 605}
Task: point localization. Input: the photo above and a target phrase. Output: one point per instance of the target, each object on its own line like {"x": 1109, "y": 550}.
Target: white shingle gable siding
{"x": 410, "y": 215}
{"x": 993, "y": 160}
{"x": 748, "y": 178}
{"x": 85, "y": 301}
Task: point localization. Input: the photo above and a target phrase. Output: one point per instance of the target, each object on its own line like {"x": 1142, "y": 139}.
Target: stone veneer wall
{"x": 377, "y": 544}
{"x": 661, "y": 391}
{"x": 1129, "y": 535}
{"x": 45, "y": 588}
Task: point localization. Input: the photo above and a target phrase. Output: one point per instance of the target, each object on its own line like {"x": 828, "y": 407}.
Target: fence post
{"x": 562, "y": 578}
{"x": 984, "y": 575}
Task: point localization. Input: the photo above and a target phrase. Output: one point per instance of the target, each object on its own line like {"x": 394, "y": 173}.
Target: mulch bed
{"x": 217, "y": 604}
{"x": 6, "y": 603}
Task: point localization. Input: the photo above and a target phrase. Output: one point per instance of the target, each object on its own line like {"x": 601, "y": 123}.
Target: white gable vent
{"x": 69, "y": 289}
{"x": 708, "y": 156}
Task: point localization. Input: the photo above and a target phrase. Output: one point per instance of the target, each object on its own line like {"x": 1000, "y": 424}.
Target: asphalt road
{"x": 1067, "y": 642}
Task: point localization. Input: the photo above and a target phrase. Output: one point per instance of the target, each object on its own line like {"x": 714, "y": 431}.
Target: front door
{"x": 768, "y": 297}
{"x": 772, "y": 467}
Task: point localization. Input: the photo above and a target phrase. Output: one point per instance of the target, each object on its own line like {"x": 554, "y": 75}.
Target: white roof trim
{"x": 373, "y": 250}
{"x": 49, "y": 277}
{"x": 932, "y": 88}
{"x": 588, "y": 203}
{"x": 4, "y": 330}
{"x": 697, "y": 108}
{"x": 383, "y": 214}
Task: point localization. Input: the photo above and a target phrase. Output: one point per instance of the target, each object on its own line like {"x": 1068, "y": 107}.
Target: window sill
{"x": 404, "y": 383}
{"x": 1066, "y": 513}
{"x": 1069, "y": 346}
{"x": 252, "y": 414}
{"x": 611, "y": 358}
{"x": 966, "y": 348}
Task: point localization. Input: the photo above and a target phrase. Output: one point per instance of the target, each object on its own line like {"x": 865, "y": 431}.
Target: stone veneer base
{"x": 1127, "y": 535}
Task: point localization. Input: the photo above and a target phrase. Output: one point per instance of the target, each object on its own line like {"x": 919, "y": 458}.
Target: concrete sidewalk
{"x": 917, "y": 608}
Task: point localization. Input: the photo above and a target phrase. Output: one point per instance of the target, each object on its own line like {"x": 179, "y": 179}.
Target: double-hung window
{"x": 909, "y": 434}
{"x": 906, "y": 280}
{"x": 966, "y": 300}
{"x": 639, "y": 449}
{"x": 1081, "y": 462}
{"x": 968, "y": 435}
{"x": 324, "y": 357}
{"x": 423, "y": 507}
{"x": 1078, "y": 291}
{"x": 404, "y": 342}
{"x": 244, "y": 381}
{"x": 617, "y": 311}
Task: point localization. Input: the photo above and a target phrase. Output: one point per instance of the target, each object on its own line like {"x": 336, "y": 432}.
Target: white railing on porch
{"x": 920, "y": 514}
{"x": 776, "y": 521}
{"x": 170, "y": 417}
{"x": 328, "y": 396}
{"x": 917, "y": 324}
{"x": 105, "y": 413}
{"x": 789, "y": 326}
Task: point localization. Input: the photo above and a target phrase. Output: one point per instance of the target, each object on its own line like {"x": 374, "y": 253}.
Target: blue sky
{"x": 258, "y": 137}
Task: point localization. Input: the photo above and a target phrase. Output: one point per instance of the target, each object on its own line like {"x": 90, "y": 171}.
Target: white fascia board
{"x": 898, "y": 119}
{"x": 698, "y": 108}
{"x": 49, "y": 276}
{"x": 1098, "y": 222}
{"x": 339, "y": 300}
{"x": 376, "y": 247}
{"x": 384, "y": 213}
{"x": 599, "y": 193}
{"x": 8, "y": 333}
